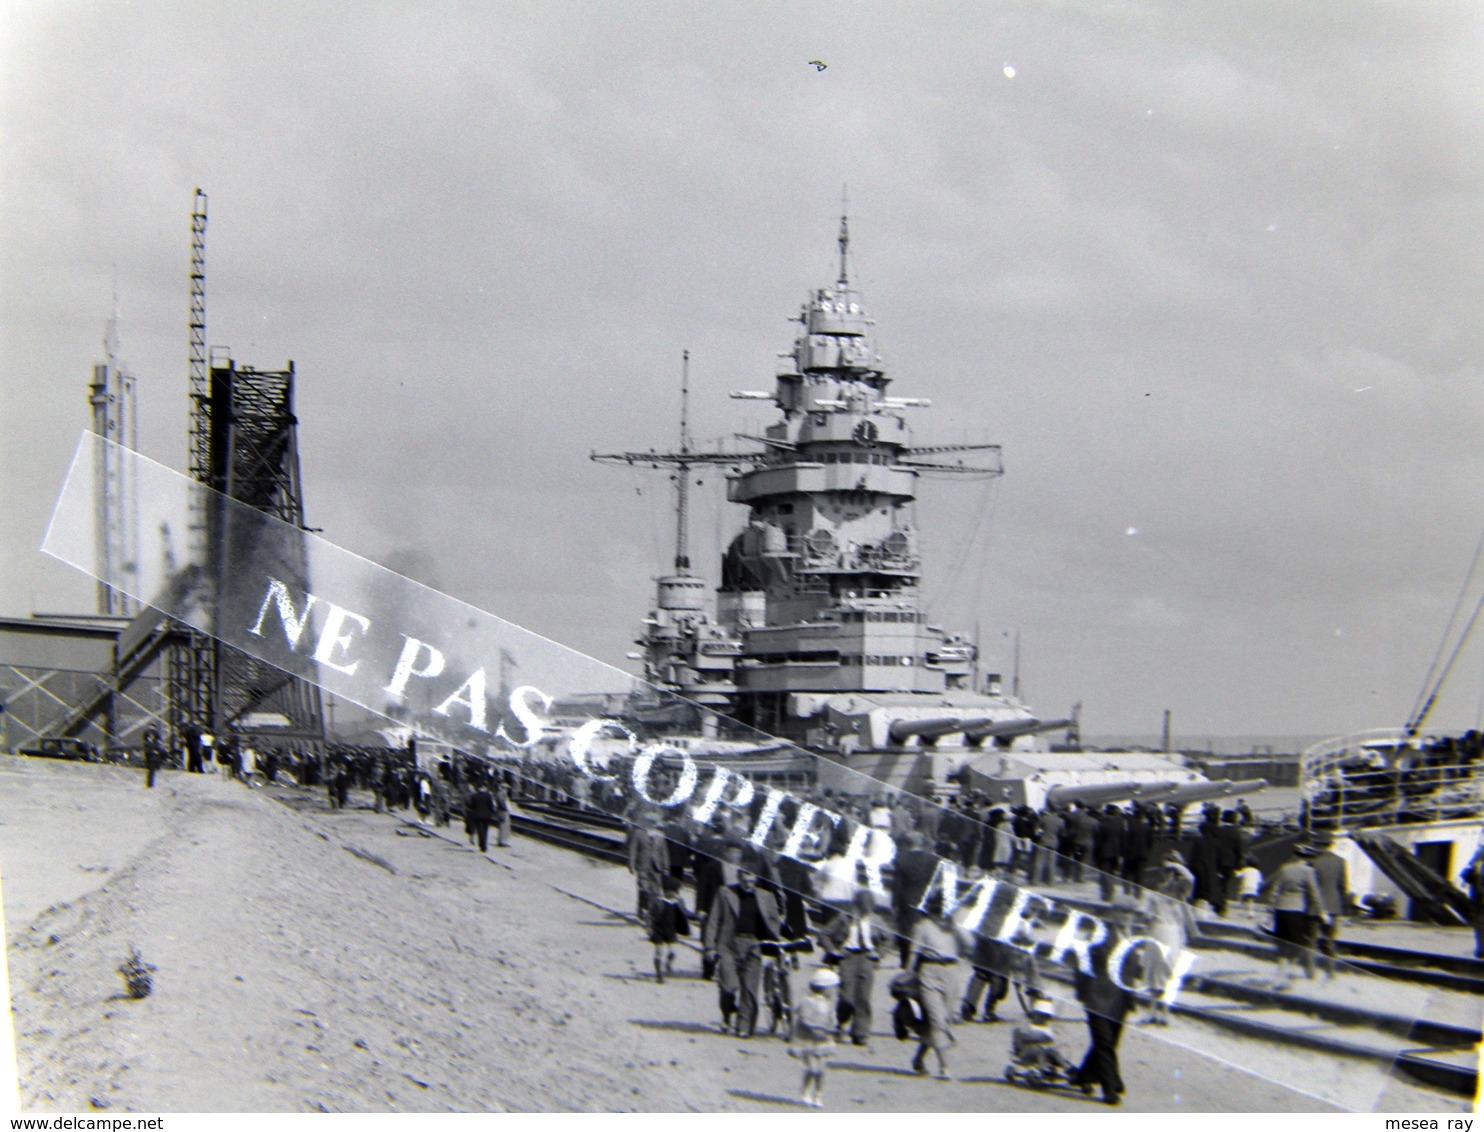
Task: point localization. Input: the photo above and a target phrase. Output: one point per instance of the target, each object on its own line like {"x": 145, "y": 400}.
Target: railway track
{"x": 1269, "y": 1016}
{"x": 587, "y": 840}
{"x": 1447, "y": 972}
{"x": 562, "y": 812}
{"x": 1450, "y": 972}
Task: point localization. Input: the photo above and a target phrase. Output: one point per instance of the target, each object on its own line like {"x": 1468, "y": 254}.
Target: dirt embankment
{"x": 293, "y": 975}
{"x": 341, "y": 961}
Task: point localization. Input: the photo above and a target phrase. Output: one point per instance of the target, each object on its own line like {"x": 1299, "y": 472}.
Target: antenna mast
{"x": 191, "y": 672}
{"x": 1015, "y": 672}
{"x": 200, "y": 449}
{"x": 844, "y": 238}
{"x": 682, "y": 461}
{"x": 682, "y": 472}
{"x": 198, "y": 456}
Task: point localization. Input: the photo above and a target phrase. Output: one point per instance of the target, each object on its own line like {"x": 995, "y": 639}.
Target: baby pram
{"x": 1034, "y": 1059}
{"x": 778, "y": 996}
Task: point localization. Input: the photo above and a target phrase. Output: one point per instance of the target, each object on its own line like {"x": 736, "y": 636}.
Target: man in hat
{"x": 1138, "y": 843}
{"x": 913, "y": 872}
{"x": 479, "y": 813}
{"x": 1298, "y": 910}
{"x": 1045, "y": 864}
{"x": 1334, "y": 890}
{"x": 1107, "y": 1004}
{"x": 1109, "y": 848}
{"x": 1208, "y": 858}
{"x": 1082, "y": 830}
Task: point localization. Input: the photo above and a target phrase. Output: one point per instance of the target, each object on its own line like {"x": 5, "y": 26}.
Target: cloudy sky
{"x": 1211, "y": 274}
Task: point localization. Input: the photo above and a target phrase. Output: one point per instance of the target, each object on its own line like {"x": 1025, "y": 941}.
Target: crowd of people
{"x": 760, "y": 912}
{"x": 758, "y": 915}
{"x": 396, "y": 779}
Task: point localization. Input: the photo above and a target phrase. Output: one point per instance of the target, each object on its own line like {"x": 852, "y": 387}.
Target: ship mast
{"x": 682, "y": 473}
{"x": 682, "y": 462}
{"x": 844, "y": 241}
{"x": 683, "y": 648}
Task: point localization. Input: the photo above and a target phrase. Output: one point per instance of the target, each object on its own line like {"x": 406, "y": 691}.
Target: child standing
{"x": 813, "y": 1036}
{"x": 668, "y": 920}
{"x": 1170, "y": 923}
{"x": 1249, "y": 883}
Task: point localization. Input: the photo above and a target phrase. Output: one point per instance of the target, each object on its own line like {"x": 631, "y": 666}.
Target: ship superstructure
{"x": 819, "y": 635}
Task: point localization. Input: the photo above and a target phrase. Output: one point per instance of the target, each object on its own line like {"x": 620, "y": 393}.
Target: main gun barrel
{"x": 903, "y": 729}
{"x": 1014, "y": 728}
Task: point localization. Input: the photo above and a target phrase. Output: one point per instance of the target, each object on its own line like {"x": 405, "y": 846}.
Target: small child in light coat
{"x": 814, "y": 1033}
{"x": 1249, "y": 883}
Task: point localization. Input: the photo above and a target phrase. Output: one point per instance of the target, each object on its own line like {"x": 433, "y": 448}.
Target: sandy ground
{"x": 315, "y": 960}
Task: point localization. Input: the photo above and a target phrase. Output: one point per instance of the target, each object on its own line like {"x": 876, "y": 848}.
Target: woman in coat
{"x": 1171, "y": 924}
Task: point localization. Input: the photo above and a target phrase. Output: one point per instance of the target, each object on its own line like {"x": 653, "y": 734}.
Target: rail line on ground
{"x": 597, "y": 835}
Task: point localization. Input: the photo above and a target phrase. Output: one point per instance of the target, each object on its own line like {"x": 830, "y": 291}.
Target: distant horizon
{"x": 1287, "y": 744}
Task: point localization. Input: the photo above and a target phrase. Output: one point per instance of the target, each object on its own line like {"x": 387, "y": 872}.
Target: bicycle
{"x": 779, "y": 958}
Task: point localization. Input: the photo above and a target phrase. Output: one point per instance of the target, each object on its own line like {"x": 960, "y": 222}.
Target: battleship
{"x": 818, "y": 633}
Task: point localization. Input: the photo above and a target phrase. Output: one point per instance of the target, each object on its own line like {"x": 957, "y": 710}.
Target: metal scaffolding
{"x": 254, "y": 459}
{"x": 243, "y": 443}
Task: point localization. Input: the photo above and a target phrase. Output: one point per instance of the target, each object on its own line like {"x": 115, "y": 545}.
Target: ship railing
{"x": 835, "y": 564}
{"x": 1388, "y": 777}
{"x": 1322, "y": 758}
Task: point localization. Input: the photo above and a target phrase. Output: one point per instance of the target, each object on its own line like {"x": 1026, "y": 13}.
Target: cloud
{"x": 484, "y": 234}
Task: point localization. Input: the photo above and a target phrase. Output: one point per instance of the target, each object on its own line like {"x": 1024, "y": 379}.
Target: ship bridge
{"x": 819, "y": 597}
{"x": 822, "y": 585}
